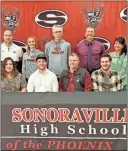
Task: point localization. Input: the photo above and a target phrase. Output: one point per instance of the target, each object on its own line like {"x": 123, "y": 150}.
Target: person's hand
{"x": 24, "y": 90}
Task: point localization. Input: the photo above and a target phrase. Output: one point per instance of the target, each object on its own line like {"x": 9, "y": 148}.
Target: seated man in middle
{"x": 42, "y": 80}
{"x": 76, "y": 78}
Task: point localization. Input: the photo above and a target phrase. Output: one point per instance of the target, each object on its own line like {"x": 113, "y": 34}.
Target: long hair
{"x": 3, "y": 71}
{"x": 28, "y": 48}
{"x": 121, "y": 40}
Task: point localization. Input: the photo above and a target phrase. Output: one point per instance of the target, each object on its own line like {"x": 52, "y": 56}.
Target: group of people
{"x": 58, "y": 69}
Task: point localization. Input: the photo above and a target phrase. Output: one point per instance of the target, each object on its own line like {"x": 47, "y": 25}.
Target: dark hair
{"x": 121, "y": 40}
{"x": 3, "y": 71}
{"x": 106, "y": 56}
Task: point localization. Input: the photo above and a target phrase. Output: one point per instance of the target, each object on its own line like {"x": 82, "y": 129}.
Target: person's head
{"x": 120, "y": 45}
{"x": 105, "y": 62}
{"x": 31, "y": 44}
{"x": 73, "y": 61}
{"x": 89, "y": 33}
{"x": 8, "y": 67}
{"x": 8, "y": 36}
{"x": 57, "y": 31}
{"x": 41, "y": 61}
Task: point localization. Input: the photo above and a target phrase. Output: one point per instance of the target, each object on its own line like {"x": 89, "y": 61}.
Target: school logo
{"x": 93, "y": 13}
{"x": 123, "y": 14}
{"x": 106, "y": 42}
{"x": 48, "y": 18}
{"x": 10, "y": 18}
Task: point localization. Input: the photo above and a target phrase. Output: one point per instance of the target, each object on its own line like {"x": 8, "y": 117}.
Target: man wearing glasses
{"x": 58, "y": 51}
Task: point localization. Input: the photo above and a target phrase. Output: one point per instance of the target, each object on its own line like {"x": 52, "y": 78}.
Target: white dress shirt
{"x": 42, "y": 82}
{"x": 14, "y": 51}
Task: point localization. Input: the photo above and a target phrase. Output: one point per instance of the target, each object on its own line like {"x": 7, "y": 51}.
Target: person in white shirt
{"x": 42, "y": 80}
{"x": 9, "y": 49}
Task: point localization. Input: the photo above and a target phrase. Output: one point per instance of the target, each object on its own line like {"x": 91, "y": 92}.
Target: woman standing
{"x": 29, "y": 65}
{"x": 11, "y": 79}
{"x": 119, "y": 59}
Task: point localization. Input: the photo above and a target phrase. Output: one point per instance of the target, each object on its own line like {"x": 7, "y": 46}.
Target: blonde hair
{"x": 28, "y": 48}
{"x": 56, "y": 27}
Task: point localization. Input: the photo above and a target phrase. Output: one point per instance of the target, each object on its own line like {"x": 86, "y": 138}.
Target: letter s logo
{"x": 48, "y": 18}
{"x": 123, "y": 14}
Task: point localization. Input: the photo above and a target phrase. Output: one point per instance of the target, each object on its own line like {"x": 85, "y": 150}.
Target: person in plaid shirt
{"x": 105, "y": 79}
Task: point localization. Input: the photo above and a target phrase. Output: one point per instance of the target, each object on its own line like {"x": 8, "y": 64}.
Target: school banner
{"x": 37, "y": 17}
{"x": 64, "y": 121}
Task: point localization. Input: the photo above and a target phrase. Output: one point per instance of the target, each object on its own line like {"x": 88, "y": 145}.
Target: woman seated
{"x": 119, "y": 59}
{"x": 29, "y": 65}
{"x": 11, "y": 79}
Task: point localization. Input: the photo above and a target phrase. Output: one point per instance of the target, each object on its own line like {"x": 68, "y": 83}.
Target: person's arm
{"x": 87, "y": 84}
{"x": 30, "y": 86}
{"x": 123, "y": 71}
{"x": 94, "y": 83}
{"x": 55, "y": 84}
{"x": 23, "y": 84}
{"x": 69, "y": 50}
{"x": 102, "y": 49}
{"x": 119, "y": 83}
{"x": 24, "y": 67}
{"x": 20, "y": 54}
{"x": 60, "y": 85}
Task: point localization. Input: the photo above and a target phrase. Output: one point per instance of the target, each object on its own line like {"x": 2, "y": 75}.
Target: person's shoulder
{"x": 51, "y": 73}
{"x": 66, "y": 42}
{"x": 96, "y": 72}
{"x": 49, "y": 42}
{"x": 16, "y": 46}
{"x": 81, "y": 42}
{"x": 114, "y": 72}
{"x": 34, "y": 74}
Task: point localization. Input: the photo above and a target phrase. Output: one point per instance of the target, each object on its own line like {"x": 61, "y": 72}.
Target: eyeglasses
{"x": 57, "y": 31}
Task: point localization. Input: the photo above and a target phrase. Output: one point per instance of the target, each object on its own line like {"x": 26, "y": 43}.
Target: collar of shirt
{"x": 89, "y": 42}
{"x": 43, "y": 73}
{"x": 9, "y": 46}
{"x": 101, "y": 72}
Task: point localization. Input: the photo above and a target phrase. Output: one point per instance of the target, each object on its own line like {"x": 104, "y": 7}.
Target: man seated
{"x": 42, "y": 80}
{"x": 76, "y": 78}
{"x": 105, "y": 79}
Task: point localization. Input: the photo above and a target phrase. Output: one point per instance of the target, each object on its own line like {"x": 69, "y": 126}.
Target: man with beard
{"x": 42, "y": 80}
{"x": 105, "y": 79}
{"x": 9, "y": 49}
{"x": 90, "y": 51}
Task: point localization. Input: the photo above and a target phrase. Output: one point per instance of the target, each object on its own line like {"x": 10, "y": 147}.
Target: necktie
{"x": 89, "y": 56}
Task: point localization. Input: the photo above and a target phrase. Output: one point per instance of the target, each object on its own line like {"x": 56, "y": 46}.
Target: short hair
{"x": 9, "y": 30}
{"x": 57, "y": 26}
{"x": 106, "y": 56}
{"x": 74, "y": 54}
{"x": 90, "y": 27}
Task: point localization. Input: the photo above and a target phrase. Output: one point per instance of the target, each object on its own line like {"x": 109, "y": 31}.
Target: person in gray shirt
{"x": 57, "y": 51}
{"x": 29, "y": 65}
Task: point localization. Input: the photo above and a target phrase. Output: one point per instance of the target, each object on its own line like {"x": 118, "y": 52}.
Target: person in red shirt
{"x": 76, "y": 78}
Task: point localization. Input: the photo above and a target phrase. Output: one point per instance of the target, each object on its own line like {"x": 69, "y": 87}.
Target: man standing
{"x": 42, "y": 80}
{"x": 76, "y": 78}
{"x": 9, "y": 49}
{"x": 90, "y": 51}
{"x": 105, "y": 79}
{"x": 58, "y": 51}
